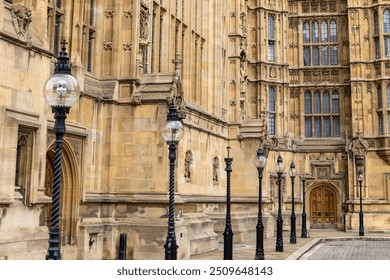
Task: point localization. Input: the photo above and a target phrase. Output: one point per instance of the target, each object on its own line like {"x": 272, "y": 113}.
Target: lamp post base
{"x": 259, "y": 241}
{"x": 279, "y": 239}
{"x": 228, "y": 244}
{"x": 171, "y": 248}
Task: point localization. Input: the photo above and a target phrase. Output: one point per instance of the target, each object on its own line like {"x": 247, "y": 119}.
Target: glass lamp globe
{"x": 293, "y": 171}
{"x": 173, "y": 131}
{"x": 61, "y": 90}
{"x": 279, "y": 165}
{"x": 360, "y": 176}
{"x": 260, "y": 161}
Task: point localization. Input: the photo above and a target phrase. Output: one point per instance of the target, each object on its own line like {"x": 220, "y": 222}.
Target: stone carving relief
{"x": 144, "y": 20}
{"x": 177, "y": 89}
{"x": 215, "y": 171}
{"x": 322, "y": 172}
{"x": 187, "y": 166}
{"x": 243, "y": 74}
{"x": 267, "y": 142}
{"x": 358, "y": 146}
{"x": 127, "y": 47}
{"x": 387, "y": 68}
{"x": 136, "y": 100}
{"x": 243, "y": 23}
{"x": 293, "y": 23}
{"x": 224, "y": 114}
{"x": 107, "y": 46}
{"x": 272, "y": 72}
{"x": 128, "y": 14}
{"x": 332, "y": 6}
{"x": 314, "y": 7}
{"x": 21, "y": 19}
{"x": 305, "y": 7}
{"x": 109, "y": 13}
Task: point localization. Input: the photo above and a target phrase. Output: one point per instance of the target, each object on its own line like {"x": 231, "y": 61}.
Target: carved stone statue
{"x": 187, "y": 165}
{"x": 215, "y": 170}
{"x": 177, "y": 89}
{"x": 144, "y": 21}
{"x": 21, "y": 18}
{"x": 243, "y": 74}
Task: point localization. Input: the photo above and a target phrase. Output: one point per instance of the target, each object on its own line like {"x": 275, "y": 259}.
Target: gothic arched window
{"x": 376, "y": 23}
{"x": 306, "y": 32}
{"x": 325, "y": 102}
{"x": 380, "y": 107}
{"x": 388, "y": 96}
{"x": 386, "y": 21}
{"x": 324, "y": 31}
{"x": 379, "y": 95}
{"x": 322, "y": 114}
{"x": 376, "y": 35}
{"x": 307, "y": 102}
{"x": 321, "y": 47}
{"x": 271, "y": 38}
{"x": 271, "y": 109}
{"x": 333, "y": 31}
{"x": 315, "y": 36}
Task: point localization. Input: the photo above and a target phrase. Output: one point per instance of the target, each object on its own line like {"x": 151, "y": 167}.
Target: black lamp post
{"x": 228, "y": 233}
{"x": 279, "y": 220}
{"x": 61, "y": 91}
{"x": 361, "y": 227}
{"x": 260, "y": 162}
{"x": 304, "y": 230}
{"x": 172, "y": 134}
{"x": 293, "y": 236}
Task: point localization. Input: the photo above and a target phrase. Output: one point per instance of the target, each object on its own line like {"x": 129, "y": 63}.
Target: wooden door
{"x": 322, "y": 208}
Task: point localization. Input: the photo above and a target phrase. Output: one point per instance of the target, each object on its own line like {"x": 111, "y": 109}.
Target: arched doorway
{"x": 323, "y": 208}
{"x": 69, "y": 193}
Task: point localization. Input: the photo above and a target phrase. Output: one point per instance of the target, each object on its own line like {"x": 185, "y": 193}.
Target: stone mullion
{"x": 77, "y": 36}
{"x": 128, "y": 45}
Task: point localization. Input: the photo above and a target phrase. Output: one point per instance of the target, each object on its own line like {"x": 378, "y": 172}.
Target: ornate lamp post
{"x": 61, "y": 91}
{"x": 228, "y": 233}
{"x": 304, "y": 230}
{"x": 361, "y": 227}
{"x": 293, "y": 236}
{"x": 279, "y": 221}
{"x": 260, "y": 162}
{"x": 172, "y": 134}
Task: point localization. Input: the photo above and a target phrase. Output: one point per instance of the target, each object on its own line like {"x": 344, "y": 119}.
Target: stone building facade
{"x": 308, "y": 80}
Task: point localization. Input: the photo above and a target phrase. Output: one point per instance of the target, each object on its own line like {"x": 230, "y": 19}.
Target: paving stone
{"x": 320, "y": 245}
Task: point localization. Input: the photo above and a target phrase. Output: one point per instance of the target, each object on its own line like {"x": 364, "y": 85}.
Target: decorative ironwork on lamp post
{"x": 304, "y": 229}
{"x": 293, "y": 235}
{"x": 228, "y": 233}
{"x": 361, "y": 226}
{"x": 172, "y": 134}
{"x": 61, "y": 91}
{"x": 260, "y": 162}
{"x": 279, "y": 220}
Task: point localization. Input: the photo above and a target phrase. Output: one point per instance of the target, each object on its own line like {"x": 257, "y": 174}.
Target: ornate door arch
{"x": 323, "y": 208}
